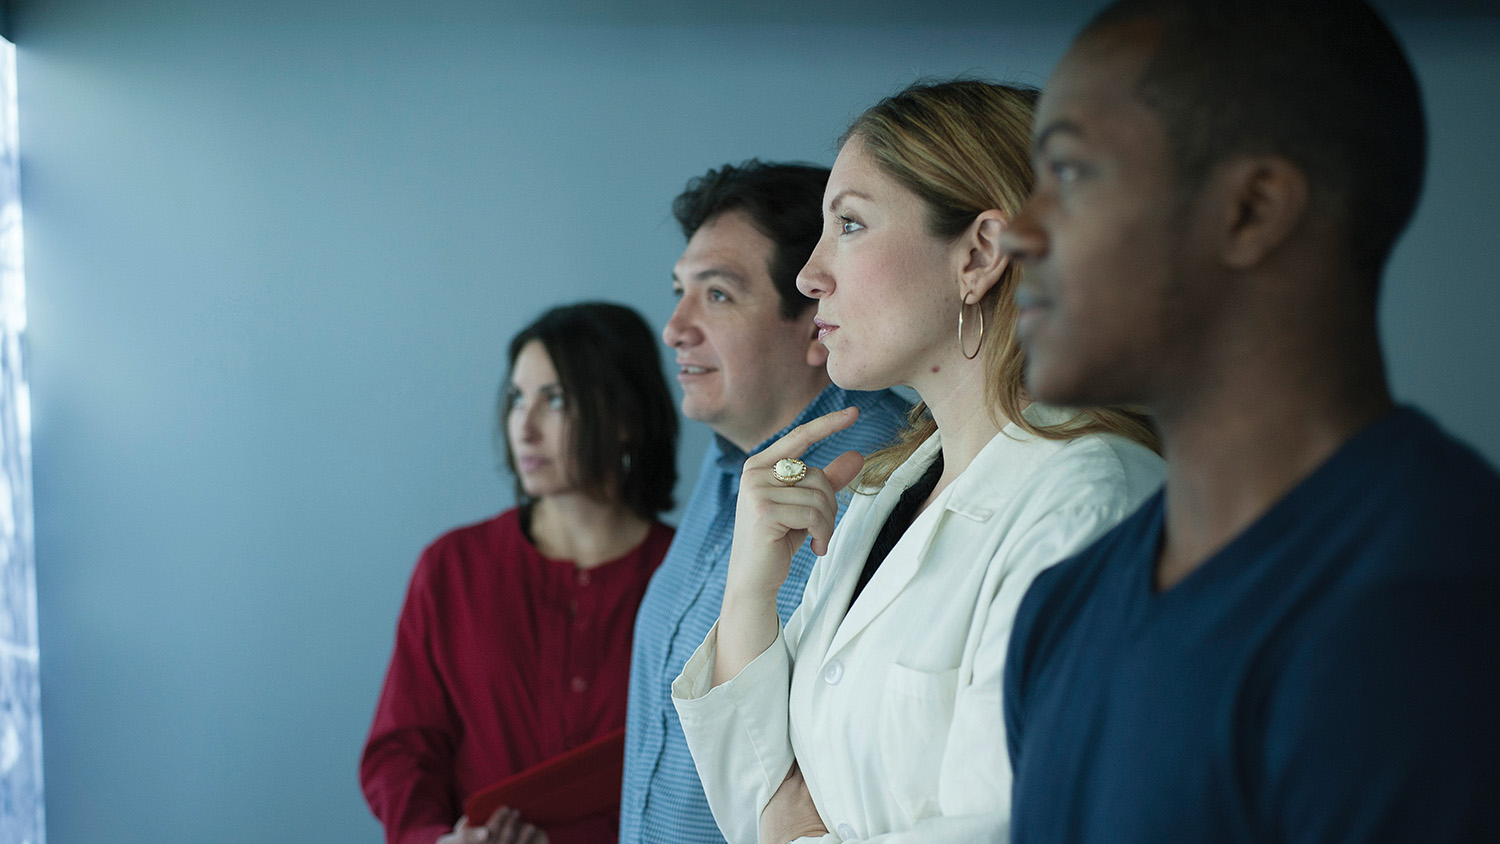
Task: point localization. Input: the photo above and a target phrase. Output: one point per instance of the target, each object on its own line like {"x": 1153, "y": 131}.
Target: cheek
{"x": 512, "y": 430}
{"x": 1108, "y": 267}
{"x": 561, "y": 434}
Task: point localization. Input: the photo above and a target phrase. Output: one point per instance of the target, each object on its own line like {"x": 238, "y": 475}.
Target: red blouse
{"x": 503, "y": 659}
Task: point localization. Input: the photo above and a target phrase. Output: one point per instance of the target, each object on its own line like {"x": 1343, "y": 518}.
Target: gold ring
{"x": 789, "y": 470}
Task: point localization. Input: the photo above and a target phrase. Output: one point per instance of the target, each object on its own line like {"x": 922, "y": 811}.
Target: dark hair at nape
{"x": 1323, "y": 83}
{"x": 785, "y": 202}
{"x": 623, "y": 418}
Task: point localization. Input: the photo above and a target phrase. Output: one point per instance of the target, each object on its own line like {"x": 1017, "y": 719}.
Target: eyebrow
{"x": 1054, "y": 128}
{"x": 846, "y": 192}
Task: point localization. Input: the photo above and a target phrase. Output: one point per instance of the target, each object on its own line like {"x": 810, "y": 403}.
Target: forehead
{"x": 729, "y": 248}
{"x": 854, "y": 168}
{"x": 1093, "y": 94}
{"x": 533, "y": 364}
{"x": 858, "y": 174}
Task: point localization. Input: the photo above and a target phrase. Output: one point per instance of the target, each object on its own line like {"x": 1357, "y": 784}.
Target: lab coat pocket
{"x": 916, "y": 712}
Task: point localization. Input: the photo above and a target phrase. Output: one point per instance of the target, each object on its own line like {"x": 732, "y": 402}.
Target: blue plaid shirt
{"x": 662, "y": 800}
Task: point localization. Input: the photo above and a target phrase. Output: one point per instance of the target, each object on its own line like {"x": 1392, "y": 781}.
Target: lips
{"x": 687, "y": 370}
{"x": 1032, "y": 306}
{"x": 824, "y": 328}
{"x": 1028, "y": 298}
{"x": 531, "y": 465}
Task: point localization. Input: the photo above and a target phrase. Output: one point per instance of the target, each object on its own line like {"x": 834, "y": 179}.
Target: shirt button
{"x": 583, "y": 578}
{"x": 846, "y": 831}
{"x": 580, "y": 685}
{"x": 833, "y": 674}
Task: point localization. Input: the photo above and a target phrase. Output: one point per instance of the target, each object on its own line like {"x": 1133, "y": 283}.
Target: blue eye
{"x": 717, "y": 295}
{"x": 556, "y": 401}
{"x": 848, "y": 226}
{"x": 1065, "y": 172}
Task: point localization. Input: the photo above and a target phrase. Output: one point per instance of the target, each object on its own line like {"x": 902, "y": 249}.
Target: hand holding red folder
{"x": 582, "y": 782}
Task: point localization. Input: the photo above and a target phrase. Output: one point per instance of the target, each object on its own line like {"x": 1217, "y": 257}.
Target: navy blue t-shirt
{"x": 1331, "y": 675}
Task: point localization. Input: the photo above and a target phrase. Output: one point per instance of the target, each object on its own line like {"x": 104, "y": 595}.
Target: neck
{"x": 1268, "y": 417}
{"x": 795, "y": 402}
{"x": 956, "y": 397}
{"x": 588, "y": 531}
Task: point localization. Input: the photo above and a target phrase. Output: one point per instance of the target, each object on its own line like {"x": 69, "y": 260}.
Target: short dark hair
{"x": 784, "y": 201}
{"x": 623, "y": 418}
{"x": 1323, "y": 83}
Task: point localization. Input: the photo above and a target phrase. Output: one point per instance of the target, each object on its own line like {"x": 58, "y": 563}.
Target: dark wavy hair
{"x": 624, "y": 421}
{"x": 784, "y": 201}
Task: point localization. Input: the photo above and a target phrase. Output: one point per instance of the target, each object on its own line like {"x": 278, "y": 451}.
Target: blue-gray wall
{"x": 274, "y": 252}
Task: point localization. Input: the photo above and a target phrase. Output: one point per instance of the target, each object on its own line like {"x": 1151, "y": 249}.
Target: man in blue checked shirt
{"x": 750, "y": 366}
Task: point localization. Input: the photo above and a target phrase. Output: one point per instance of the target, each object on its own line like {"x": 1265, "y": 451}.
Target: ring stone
{"x": 789, "y": 470}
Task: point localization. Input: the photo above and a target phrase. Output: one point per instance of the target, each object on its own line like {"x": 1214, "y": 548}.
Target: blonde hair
{"x": 964, "y": 147}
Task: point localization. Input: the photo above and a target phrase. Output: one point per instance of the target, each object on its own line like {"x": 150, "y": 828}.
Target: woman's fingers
{"x": 844, "y": 469}
{"x": 802, "y": 437}
{"x": 774, "y": 518}
{"x": 793, "y": 512}
{"x": 813, "y": 500}
{"x": 813, "y": 492}
{"x": 502, "y": 825}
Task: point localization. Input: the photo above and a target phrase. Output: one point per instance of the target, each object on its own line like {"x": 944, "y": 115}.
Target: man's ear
{"x": 981, "y": 260}
{"x": 1264, "y": 200}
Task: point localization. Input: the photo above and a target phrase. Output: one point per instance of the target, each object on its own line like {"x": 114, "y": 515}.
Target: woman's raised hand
{"x": 772, "y": 519}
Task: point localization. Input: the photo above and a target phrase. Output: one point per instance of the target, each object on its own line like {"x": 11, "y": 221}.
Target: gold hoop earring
{"x": 962, "y": 306}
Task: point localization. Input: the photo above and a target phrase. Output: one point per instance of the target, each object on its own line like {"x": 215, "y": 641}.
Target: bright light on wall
{"x": 21, "y": 818}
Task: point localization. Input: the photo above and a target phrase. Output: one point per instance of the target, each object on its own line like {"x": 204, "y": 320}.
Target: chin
{"x": 851, "y": 378}
{"x": 548, "y": 489}
{"x": 1048, "y": 385}
{"x": 697, "y": 411}
{"x": 1065, "y": 387}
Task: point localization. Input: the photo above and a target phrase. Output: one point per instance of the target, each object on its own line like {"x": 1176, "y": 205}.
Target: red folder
{"x": 582, "y": 782}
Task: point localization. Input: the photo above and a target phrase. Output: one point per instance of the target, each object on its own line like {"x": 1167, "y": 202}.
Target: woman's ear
{"x": 982, "y": 261}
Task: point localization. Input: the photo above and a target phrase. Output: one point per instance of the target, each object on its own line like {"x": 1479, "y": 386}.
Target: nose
{"x": 814, "y": 280}
{"x": 1024, "y": 239}
{"x": 523, "y": 427}
{"x": 681, "y": 329}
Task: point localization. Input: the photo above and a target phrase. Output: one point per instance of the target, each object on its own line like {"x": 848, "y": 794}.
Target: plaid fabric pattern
{"x": 662, "y": 800}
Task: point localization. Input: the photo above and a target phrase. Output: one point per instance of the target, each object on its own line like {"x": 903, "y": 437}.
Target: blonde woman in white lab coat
{"x": 876, "y": 713}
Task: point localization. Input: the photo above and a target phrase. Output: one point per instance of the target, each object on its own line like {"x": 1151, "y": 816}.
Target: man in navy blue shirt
{"x": 1299, "y": 638}
{"x": 751, "y": 367}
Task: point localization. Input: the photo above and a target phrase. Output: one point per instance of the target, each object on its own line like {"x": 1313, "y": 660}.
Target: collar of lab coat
{"x": 1002, "y": 466}
{"x": 994, "y": 477}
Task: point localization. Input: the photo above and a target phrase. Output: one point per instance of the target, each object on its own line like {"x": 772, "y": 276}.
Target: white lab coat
{"x": 893, "y": 711}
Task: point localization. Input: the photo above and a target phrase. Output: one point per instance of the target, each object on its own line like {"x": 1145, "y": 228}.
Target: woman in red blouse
{"x": 513, "y": 645}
